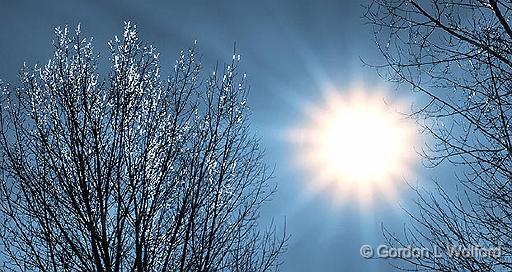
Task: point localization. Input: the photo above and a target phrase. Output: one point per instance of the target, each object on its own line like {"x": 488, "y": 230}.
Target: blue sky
{"x": 290, "y": 49}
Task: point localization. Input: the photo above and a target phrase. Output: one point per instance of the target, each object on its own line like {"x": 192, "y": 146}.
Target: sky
{"x": 291, "y": 51}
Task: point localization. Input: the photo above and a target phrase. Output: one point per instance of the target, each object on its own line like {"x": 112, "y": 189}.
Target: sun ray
{"x": 356, "y": 146}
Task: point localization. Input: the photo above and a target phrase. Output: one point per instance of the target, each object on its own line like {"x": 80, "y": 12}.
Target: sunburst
{"x": 356, "y": 145}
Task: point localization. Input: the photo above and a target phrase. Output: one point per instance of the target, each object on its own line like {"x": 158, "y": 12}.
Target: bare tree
{"x": 459, "y": 55}
{"x": 131, "y": 172}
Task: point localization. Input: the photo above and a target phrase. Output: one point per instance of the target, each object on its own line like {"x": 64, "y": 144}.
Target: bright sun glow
{"x": 356, "y": 145}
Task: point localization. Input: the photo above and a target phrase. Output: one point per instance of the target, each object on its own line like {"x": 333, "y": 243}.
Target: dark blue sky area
{"x": 290, "y": 51}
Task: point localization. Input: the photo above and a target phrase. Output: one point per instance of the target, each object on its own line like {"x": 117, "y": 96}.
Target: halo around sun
{"x": 357, "y": 145}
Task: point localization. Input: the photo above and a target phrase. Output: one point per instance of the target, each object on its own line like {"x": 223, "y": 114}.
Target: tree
{"x": 459, "y": 55}
{"x": 131, "y": 172}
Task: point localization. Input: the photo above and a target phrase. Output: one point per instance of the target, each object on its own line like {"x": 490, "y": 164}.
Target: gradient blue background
{"x": 291, "y": 50}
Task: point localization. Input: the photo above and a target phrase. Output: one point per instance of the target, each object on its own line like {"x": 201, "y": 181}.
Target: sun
{"x": 357, "y": 145}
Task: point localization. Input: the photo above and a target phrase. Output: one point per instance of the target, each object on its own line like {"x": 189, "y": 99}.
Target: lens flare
{"x": 357, "y": 145}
